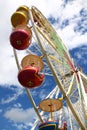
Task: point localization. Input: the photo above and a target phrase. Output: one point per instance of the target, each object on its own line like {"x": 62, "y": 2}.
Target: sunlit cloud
{"x": 20, "y": 115}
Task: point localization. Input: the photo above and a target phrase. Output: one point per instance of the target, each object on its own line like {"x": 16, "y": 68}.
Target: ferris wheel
{"x": 46, "y": 55}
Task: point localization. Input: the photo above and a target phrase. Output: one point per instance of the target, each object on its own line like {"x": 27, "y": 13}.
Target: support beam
{"x": 55, "y": 75}
{"x": 65, "y": 96}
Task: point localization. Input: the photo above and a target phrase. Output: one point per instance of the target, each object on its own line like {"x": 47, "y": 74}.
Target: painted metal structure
{"x": 71, "y": 82}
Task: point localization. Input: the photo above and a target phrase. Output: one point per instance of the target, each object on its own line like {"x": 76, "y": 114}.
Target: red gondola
{"x": 29, "y": 77}
{"x": 20, "y": 38}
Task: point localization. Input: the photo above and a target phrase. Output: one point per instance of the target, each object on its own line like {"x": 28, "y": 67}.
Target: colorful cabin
{"x": 29, "y": 77}
{"x": 32, "y": 60}
{"x": 50, "y": 125}
{"x": 21, "y": 16}
{"x": 21, "y": 36}
{"x": 50, "y": 105}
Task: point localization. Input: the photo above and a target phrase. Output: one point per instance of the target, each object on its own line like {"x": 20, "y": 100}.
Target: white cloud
{"x": 20, "y": 115}
{"x": 20, "y": 126}
{"x": 74, "y": 39}
{"x": 10, "y": 98}
{"x": 78, "y": 55}
{"x": 0, "y": 110}
{"x": 42, "y": 94}
{"x": 18, "y": 105}
{"x": 21, "y": 118}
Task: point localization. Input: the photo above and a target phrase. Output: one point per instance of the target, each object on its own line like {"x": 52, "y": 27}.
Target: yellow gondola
{"x": 21, "y": 16}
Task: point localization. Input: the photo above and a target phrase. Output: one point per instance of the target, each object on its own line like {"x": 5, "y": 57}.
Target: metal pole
{"x": 83, "y": 92}
{"x": 34, "y": 105}
{"x": 70, "y": 119}
{"x": 70, "y": 86}
{"x": 16, "y": 59}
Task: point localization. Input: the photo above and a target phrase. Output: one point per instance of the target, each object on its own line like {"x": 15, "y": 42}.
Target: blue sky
{"x": 69, "y": 18}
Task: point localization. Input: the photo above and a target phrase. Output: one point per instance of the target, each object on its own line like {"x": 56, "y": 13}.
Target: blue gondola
{"x": 50, "y": 125}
